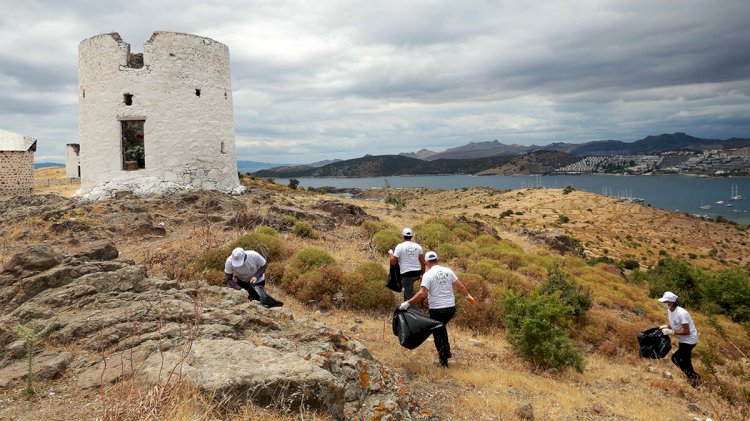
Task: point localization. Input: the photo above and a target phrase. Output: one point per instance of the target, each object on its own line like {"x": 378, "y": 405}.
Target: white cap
{"x": 431, "y": 256}
{"x": 238, "y": 257}
{"x": 406, "y": 232}
{"x": 668, "y": 296}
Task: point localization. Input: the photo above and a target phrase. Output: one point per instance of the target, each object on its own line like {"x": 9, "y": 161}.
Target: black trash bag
{"x": 653, "y": 343}
{"x": 394, "y": 279}
{"x": 412, "y": 327}
{"x": 257, "y": 292}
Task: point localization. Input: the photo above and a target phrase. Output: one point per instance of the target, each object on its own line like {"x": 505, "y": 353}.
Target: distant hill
{"x": 537, "y": 162}
{"x": 322, "y": 163}
{"x": 480, "y": 150}
{"x": 656, "y": 144}
{"x": 387, "y": 165}
{"x": 47, "y": 164}
{"x": 421, "y": 154}
{"x": 252, "y": 166}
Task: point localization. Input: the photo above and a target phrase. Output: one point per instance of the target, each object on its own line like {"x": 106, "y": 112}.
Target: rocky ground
{"x": 119, "y": 325}
{"x": 109, "y": 321}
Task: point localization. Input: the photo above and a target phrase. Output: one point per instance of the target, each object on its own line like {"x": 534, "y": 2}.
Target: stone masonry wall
{"x": 181, "y": 88}
{"x": 16, "y": 173}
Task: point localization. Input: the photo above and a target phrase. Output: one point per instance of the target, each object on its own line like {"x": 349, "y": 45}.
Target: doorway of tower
{"x": 133, "y": 150}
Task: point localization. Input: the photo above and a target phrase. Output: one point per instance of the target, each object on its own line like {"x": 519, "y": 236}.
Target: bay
{"x": 675, "y": 193}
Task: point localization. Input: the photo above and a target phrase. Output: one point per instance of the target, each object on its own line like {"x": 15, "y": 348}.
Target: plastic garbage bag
{"x": 394, "y": 279}
{"x": 653, "y": 343}
{"x": 259, "y": 293}
{"x": 413, "y": 327}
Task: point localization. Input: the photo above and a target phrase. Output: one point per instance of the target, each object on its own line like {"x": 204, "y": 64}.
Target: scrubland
{"x": 335, "y": 274}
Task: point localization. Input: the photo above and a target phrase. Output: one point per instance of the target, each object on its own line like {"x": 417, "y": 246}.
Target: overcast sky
{"x": 326, "y": 79}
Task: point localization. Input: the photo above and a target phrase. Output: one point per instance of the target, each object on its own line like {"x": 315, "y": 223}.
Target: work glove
{"x": 404, "y": 305}
{"x": 667, "y": 332}
{"x": 244, "y": 291}
{"x": 390, "y": 252}
{"x": 663, "y": 327}
{"x": 253, "y": 280}
{"x": 471, "y": 299}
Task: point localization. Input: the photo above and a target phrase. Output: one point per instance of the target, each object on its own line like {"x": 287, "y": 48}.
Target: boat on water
{"x": 703, "y": 206}
{"x": 735, "y": 195}
{"x": 729, "y": 205}
{"x": 719, "y": 202}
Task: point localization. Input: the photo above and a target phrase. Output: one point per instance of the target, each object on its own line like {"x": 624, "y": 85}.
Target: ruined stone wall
{"x": 181, "y": 87}
{"x": 16, "y": 173}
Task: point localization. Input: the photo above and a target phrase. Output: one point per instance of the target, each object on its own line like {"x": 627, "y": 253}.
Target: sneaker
{"x": 444, "y": 363}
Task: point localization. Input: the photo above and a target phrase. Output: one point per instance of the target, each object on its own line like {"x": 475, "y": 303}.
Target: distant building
{"x": 16, "y": 164}
{"x": 156, "y": 121}
{"x": 73, "y": 160}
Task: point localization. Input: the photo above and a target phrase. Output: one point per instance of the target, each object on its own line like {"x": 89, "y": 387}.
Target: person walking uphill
{"x": 245, "y": 271}
{"x": 410, "y": 258}
{"x": 682, "y": 327}
{"x": 437, "y": 287}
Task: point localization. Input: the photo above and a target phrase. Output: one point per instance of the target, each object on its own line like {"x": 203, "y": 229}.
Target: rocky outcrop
{"x": 110, "y": 321}
{"x": 344, "y": 212}
{"x": 555, "y": 240}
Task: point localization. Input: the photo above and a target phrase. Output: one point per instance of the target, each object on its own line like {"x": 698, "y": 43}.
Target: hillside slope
{"x": 488, "y": 378}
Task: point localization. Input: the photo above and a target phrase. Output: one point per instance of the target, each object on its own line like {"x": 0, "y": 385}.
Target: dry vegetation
{"x": 487, "y": 378}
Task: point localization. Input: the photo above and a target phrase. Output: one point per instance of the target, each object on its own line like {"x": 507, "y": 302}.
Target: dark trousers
{"x": 408, "y": 283}
{"x": 258, "y": 292}
{"x": 443, "y": 315}
{"x": 683, "y": 359}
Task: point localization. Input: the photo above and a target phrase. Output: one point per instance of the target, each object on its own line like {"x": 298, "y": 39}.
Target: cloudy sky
{"x": 328, "y": 79}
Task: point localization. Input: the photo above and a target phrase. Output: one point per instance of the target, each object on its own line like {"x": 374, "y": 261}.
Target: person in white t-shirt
{"x": 410, "y": 259}
{"x": 437, "y": 287}
{"x": 245, "y": 271}
{"x": 682, "y": 327}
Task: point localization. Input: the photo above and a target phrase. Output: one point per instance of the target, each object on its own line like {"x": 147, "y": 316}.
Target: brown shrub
{"x": 365, "y": 289}
{"x": 320, "y": 285}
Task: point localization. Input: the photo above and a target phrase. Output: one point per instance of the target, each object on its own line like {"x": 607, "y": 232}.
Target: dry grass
{"x": 487, "y": 378}
{"x": 53, "y": 180}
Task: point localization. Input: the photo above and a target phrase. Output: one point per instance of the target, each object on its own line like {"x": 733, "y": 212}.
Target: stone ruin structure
{"x": 72, "y": 160}
{"x": 156, "y": 121}
{"x": 16, "y": 164}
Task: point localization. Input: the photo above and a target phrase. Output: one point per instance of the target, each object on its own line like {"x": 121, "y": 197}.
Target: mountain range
{"x": 494, "y": 157}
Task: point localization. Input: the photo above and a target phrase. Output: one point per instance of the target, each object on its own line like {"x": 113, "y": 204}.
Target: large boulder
{"x": 33, "y": 259}
{"x": 239, "y": 371}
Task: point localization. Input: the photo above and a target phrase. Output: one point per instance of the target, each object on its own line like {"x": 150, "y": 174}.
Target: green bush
{"x": 303, "y": 229}
{"x": 265, "y": 229}
{"x": 386, "y": 239}
{"x": 538, "y": 330}
{"x": 447, "y": 251}
{"x": 293, "y": 183}
{"x": 318, "y": 286}
{"x": 267, "y": 244}
{"x": 397, "y": 201}
{"x": 365, "y": 289}
{"x": 729, "y": 293}
{"x": 433, "y": 234}
{"x": 465, "y": 232}
{"x": 672, "y": 274}
{"x": 568, "y": 190}
{"x": 579, "y": 300}
{"x": 305, "y": 261}
{"x": 372, "y": 227}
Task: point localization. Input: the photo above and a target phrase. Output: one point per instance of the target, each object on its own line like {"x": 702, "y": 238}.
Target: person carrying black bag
{"x": 437, "y": 284}
{"x": 682, "y": 327}
{"x": 245, "y": 271}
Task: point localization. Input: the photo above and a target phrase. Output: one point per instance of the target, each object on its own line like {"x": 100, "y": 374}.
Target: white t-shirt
{"x": 253, "y": 262}
{"x": 677, "y": 318}
{"x": 439, "y": 283}
{"x": 408, "y": 256}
